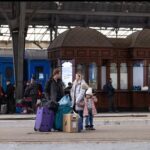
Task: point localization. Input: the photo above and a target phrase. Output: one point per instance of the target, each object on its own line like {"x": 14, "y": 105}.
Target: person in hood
{"x": 89, "y": 109}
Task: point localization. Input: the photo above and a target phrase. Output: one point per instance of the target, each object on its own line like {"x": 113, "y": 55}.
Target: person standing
{"x": 78, "y": 90}
{"x": 68, "y": 88}
{"x": 32, "y": 91}
{"x": 54, "y": 87}
{"x": 2, "y": 95}
{"x": 26, "y": 89}
{"x": 110, "y": 91}
{"x": 89, "y": 109}
{"x": 10, "y": 89}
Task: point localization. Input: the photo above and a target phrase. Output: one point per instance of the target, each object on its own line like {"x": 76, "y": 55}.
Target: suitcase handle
{"x": 74, "y": 117}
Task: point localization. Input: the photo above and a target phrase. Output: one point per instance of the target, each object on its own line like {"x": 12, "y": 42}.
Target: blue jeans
{"x": 80, "y": 113}
{"x": 89, "y": 119}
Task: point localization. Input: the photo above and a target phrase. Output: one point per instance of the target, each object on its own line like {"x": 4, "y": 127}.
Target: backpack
{"x": 33, "y": 90}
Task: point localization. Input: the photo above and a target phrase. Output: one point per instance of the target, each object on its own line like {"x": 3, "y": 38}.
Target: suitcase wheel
{"x": 49, "y": 130}
{"x": 35, "y": 129}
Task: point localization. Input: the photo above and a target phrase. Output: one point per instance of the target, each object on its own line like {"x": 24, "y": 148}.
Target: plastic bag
{"x": 65, "y": 100}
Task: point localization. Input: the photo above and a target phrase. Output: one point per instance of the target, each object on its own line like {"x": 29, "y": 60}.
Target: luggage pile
{"x": 3, "y": 106}
{"x": 63, "y": 118}
{"x": 23, "y": 106}
{"x": 3, "y": 109}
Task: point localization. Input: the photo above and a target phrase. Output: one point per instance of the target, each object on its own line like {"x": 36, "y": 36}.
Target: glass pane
{"x": 93, "y": 75}
{"x": 103, "y": 76}
{"x": 123, "y": 76}
{"x": 81, "y": 68}
{"x": 67, "y": 72}
{"x": 149, "y": 74}
{"x": 113, "y": 74}
{"x": 39, "y": 72}
{"x": 138, "y": 72}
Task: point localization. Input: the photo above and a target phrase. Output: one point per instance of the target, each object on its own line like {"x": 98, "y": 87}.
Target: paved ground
{"x": 113, "y": 133}
{"x": 80, "y": 146}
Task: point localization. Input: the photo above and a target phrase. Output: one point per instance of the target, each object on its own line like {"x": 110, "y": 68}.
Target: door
{"x": 8, "y": 74}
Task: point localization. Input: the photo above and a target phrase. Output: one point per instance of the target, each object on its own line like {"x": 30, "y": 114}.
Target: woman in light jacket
{"x": 78, "y": 90}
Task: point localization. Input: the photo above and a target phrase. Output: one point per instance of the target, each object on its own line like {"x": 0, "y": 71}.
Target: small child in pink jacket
{"x": 89, "y": 109}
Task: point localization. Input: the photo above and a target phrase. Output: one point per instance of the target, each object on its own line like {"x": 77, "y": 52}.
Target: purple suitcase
{"x": 44, "y": 119}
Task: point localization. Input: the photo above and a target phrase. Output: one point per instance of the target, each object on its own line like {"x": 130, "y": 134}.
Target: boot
{"x": 87, "y": 127}
{"x": 91, "y": 127}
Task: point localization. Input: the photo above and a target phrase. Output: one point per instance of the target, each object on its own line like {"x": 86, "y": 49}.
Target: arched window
{"x": 67, "y": 72}
{"x": 138, "y": 73}
{"x": 81, "y": 69}
{"x": 103, "y": 76}
{"x": 93, "y": 75}
{"x": 149, "y": 74}
{"x": 113, "y": 74}
{"x": 123, "y": 76}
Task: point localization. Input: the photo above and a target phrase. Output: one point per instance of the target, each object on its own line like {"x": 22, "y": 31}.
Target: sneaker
{"x": 52, "y": 130}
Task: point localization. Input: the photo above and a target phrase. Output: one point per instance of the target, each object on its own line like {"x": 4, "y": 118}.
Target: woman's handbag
{"x": 81, "y": 103}
{"x": 28, "y": 99}
{"x": 52, "y": 105}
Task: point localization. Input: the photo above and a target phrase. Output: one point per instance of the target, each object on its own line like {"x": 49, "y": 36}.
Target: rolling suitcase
{"x": 44, "y": 119}
{"x": 3, "y": 109}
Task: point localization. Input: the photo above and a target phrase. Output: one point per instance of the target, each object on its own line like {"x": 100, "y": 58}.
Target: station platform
{"x": 101, "y": 118}
{"x": 113, "y": 131}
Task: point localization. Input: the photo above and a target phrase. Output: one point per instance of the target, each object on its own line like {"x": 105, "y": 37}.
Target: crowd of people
{"x": 81, "y": 95}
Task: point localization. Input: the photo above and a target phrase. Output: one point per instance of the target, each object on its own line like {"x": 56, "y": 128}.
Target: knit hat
{"x": 89, "y": 91}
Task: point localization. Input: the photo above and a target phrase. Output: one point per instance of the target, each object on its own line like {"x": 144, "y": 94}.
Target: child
{"x": 89, "y": 109}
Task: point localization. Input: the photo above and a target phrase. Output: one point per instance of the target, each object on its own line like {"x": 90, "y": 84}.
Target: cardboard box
{"x": 70, "y": 123}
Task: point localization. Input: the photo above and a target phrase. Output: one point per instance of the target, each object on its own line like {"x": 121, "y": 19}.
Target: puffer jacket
{"x": 94, "y": 111}
{"x": 78, "y": 92}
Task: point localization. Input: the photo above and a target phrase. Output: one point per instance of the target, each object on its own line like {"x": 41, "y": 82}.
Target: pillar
{"x": 18, "y": 38}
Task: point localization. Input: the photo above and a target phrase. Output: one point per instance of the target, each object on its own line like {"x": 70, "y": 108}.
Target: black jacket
{"x": 109, "y": 89}
{"x": 54, "y": 90}
{"x": 10, "y": 91}
{"x": 31, "y": 90}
